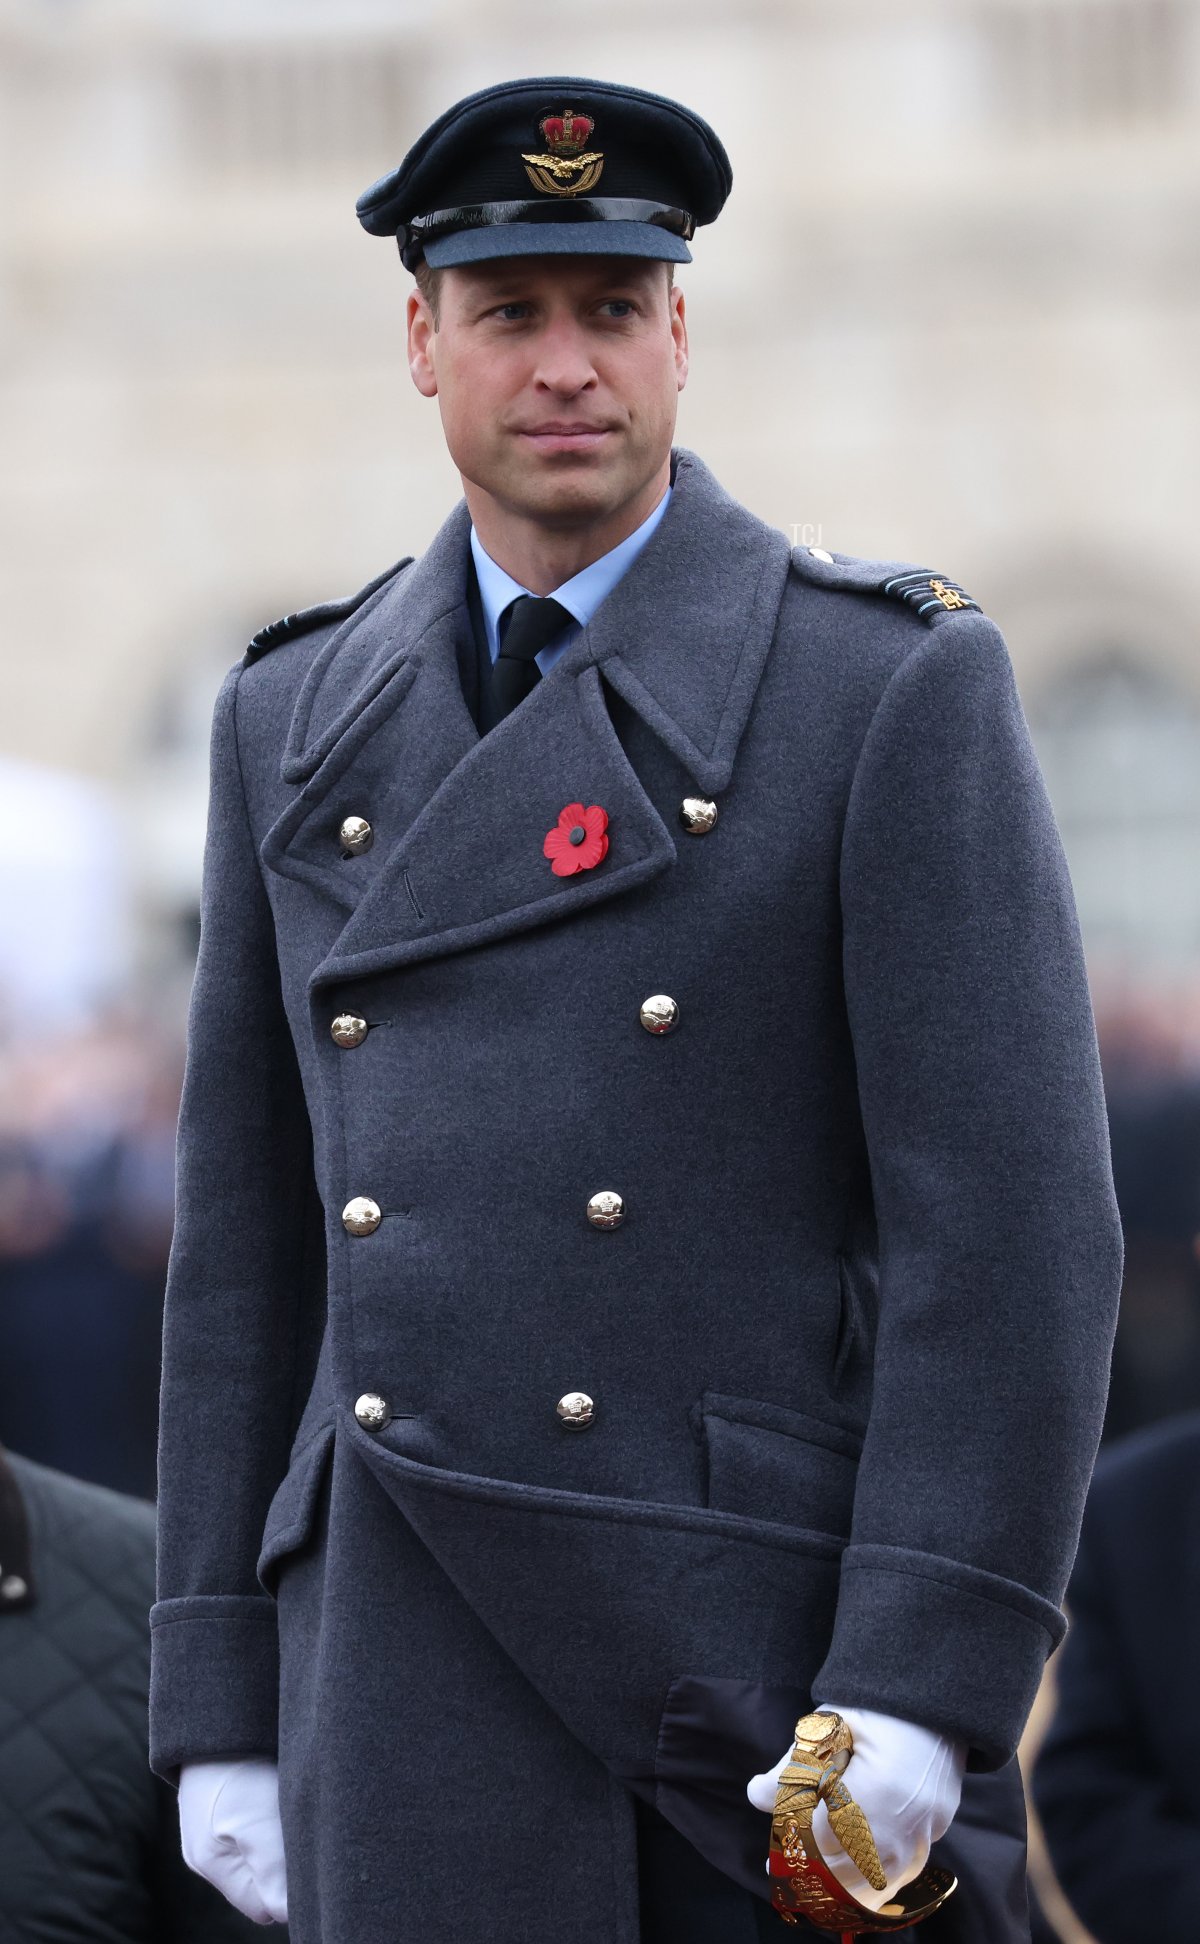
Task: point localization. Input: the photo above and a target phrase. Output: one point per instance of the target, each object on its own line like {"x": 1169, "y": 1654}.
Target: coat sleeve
{"x": 247, "y": 1229}
{"x": 1000, "y": 1247}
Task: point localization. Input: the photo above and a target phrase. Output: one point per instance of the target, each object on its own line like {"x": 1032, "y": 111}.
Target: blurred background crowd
{"x": 950, "y": 315}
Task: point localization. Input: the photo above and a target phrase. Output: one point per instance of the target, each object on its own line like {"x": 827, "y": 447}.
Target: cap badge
{"x": 569, "y": 169}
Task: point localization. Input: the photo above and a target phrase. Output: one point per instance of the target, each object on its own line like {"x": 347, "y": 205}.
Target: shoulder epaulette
{"x": 933, "y": 596}
{"x": 308, "y": 618}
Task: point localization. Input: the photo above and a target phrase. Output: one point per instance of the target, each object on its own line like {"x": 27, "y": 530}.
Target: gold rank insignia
{"x": 570, "y": 168}
{"x": 950, "y": 597}
{"x": 934, "y": 596}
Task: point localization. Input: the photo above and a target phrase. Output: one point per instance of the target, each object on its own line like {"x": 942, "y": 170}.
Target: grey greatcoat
{"x": 848, "y": 1346}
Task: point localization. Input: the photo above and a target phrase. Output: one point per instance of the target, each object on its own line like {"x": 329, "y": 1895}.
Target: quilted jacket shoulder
{"x": 89, "y": 1837}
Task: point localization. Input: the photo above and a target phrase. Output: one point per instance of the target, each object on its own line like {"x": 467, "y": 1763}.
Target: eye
{"x": 626, "y": 301}
{"x": 514, "y": 305}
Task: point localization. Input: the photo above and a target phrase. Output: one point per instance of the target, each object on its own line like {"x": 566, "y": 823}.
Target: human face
{"x": 557, "y": 379}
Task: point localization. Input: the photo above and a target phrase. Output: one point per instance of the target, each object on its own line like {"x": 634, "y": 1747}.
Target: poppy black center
{"x": 578, "y": 834}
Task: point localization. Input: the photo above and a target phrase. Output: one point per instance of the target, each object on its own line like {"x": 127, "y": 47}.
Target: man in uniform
{"x": 646, "y": 1258}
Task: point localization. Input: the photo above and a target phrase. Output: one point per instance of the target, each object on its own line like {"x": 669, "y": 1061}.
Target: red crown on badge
{"x": 567, "y": 133}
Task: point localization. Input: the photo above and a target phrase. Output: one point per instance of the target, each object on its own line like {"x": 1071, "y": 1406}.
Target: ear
{"x": 679, "y": 333}
{"x": 420, "y": 342}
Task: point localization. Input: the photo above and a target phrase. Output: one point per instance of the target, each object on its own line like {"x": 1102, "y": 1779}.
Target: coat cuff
{"x": 935, "y": 1641}
{"x": 214, "y": 1680}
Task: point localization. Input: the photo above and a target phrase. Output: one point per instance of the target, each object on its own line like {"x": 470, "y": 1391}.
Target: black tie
{"x": 532, "y": 621}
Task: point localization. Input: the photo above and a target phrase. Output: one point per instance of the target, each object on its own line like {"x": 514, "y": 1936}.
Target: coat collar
{"x": 381, "y": 729}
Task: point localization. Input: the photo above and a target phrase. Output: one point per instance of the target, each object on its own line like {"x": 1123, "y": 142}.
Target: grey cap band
{"x": 557, "y": 239}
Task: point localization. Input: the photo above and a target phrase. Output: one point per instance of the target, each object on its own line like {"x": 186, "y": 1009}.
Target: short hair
{"x": 429, "y": 283}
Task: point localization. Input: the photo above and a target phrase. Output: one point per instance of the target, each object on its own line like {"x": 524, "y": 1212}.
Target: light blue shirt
{"x": 582, "y": 594}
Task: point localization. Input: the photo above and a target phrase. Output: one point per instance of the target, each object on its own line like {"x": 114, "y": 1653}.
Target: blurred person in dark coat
{"x": 86, "y": 1202}
{"x": 1117, "y": 1784}
{"x": 1154, "y": 1121}
{"x": 89, "y": 1841}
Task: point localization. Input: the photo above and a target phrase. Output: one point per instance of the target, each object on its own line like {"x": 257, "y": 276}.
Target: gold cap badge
{"x": 570, "y": 168}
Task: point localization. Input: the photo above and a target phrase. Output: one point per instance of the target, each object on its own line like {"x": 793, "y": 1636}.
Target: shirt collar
{"x": 581, "y": 595}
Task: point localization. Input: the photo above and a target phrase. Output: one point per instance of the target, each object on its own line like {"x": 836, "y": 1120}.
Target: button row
{"x": 697, "y": 815}
{"x": 605, "y": 1210}
{"x": 658, "y": 1014}
{"x": 576, "y": 1411}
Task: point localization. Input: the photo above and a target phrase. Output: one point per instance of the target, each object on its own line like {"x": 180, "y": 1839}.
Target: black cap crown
{"x": 551, "y": 165}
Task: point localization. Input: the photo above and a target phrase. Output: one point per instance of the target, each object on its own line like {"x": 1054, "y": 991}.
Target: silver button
{"x": 697, "y": 815}
{"x": 13, "y": 1587}
{"x": 658, "y": 1013}
{"x": 349, "y": 1030}
{"x": 606, "y": 1209}
{"x": 819, "y": 553}
{"x": 361, "y": 1216}
{"x": 576, "y": 1410}
{"x": 356, "y": 835}
{"x": 372, "y": 1411}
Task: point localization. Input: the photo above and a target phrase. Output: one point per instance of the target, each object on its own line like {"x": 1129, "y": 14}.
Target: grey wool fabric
{"x": 848, "y": 1348}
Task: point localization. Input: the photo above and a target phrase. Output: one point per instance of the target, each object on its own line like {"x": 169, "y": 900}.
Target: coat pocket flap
{"x": 290, "y": 1514}
{"x": 767, "y": 1461}
{"x": 779, "y": 1417}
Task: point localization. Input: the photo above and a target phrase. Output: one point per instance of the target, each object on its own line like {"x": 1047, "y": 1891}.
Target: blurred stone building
{"x": 950, "y": 314}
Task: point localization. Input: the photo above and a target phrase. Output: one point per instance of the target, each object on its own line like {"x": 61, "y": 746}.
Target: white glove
{"x": 231, "y": 1833}
{"x": 906, "y": 1780}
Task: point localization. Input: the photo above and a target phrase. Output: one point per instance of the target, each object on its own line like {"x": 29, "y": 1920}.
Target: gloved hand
{"x": 231, "y": 1833}
{"x": 907, "y": 1781}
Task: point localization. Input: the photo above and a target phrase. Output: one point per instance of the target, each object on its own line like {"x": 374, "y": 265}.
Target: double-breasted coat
{"x": 835, "y": 1258}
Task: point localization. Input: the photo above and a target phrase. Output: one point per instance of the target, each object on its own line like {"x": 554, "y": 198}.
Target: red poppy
{"x": 577, "y": 840}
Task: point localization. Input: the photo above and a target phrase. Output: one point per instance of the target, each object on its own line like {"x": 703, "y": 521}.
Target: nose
{"x": 564, "y": 361}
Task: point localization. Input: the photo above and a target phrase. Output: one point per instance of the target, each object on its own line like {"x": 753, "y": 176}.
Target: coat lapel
{"x": 381, "y": 729}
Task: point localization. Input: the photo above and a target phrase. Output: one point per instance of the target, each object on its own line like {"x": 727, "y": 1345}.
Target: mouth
{"x": 582, "y": 438}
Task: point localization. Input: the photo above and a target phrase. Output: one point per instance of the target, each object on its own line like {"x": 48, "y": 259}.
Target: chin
{"x": 566, "y": 492}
